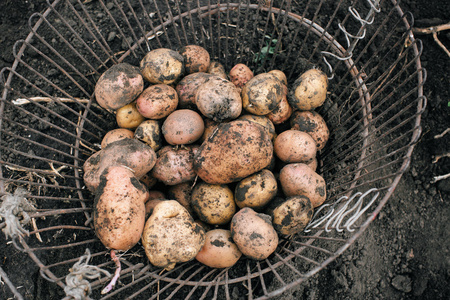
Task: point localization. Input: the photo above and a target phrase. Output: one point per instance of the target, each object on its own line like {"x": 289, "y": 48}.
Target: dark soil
{"x": 403, "y": 255}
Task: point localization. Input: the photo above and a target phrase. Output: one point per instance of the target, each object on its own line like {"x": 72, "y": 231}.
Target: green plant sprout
{"x": 268, "y": 49}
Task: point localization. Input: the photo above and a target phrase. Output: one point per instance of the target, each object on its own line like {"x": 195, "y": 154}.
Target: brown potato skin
{"x": 280, "y": 75}
{"x": 299, "y": 179}
{"x": 196, "y": 58}
{"x": 254, "y": 234}
{"x": 118, "y": 86}
{"x": 256, "y": 190}
{"x": 187, "y": 87}
{"x": 309, "y": 91}
{"x": 182, "y": 193}
{"x": 216, "y": 68}
{"x": 129, "y": 117}
{"x": 312, "y": 123}
{"x": 219, "y": 250}
{"x": 282, "y": 112}
{"x": 157, "y": 101}
{"x": 162, "y": 65}
{"x": 262, "y": 94}
{"x": 115, "y": 135}
{"x": 236, "y": 150}
{"x": 183, "y": 126}
{"x": 119, "y": 209}
{"x": 262, "y": 120}
{"x": 149, "y": 132}
{"x": 295, "y": 146}
{"x": 240, "y": 74}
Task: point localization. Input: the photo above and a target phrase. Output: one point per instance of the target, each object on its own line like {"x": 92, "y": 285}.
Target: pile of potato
{"x": 205, "y": 164}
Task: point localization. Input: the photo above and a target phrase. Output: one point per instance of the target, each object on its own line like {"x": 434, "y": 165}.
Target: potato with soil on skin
{"x": 130, "y": 153}
{"x": 157, "y": 101}
{"x": 154, "y": 198}
{"x": 218, "y": 99}
{"x": 119, "y": 209}
{"x": 196, "y": 59}
{"x": 216, "y": 68}
{"x": 309, "y": 91}
{"x": 299, "y": 179}
{"x": 312, "y": 123}
{"x": 175, "y": 165}
{"x": 239, "y": 75}
{"x": 187, "y": 87}
{"x": 262, "y": 94}
{"x": 171, "y": 236}
{"x": 256, "y": 190}
{"x": 183, "y": 126}
{"x": 282, "y": 112}
{"x": 162, "y": 65}
{"x": 213, "y": 203}
{"x": 236, "y": 150}
{"x": 290, "y": 215}
{"x": 262, "y": 120}
{"x": 182, "y": 193}
{"x": 115, "y": 135}
{"x": 294, "y": 146}
{"x": 148, "y": 180}
{"x": 150, "y": 133}
{"x": 210, "y": 128}
{"x": 280, "y": 75}
{"x": 128, "y": 116}
{"x": 118, "y": 86}
{"x": 219, "y": 250}
{"x": 254, "y": 234}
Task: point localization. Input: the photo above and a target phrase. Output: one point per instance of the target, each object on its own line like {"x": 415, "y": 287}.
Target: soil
{"x": 404, "y": 254}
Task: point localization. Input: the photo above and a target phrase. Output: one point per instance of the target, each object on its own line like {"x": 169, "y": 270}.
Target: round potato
{"x": 309, "y": 91}
{"x": 219, "y": 250}
{"x": 216, "y": 68}
{"x": 280, "y": 75}
{"x": 295, "y": 146}
{"x": 183, "y": 126}
{"x": 115, "y": 135}
{"x": 312, "y": 123}
{"x": 118, "y": 86}
{"x": 128, "y": 116}
{"x": 262, "y": 94}
{"x": 162, "y": 65}
{"x": 256, "y": 190}
{"x": 187, "y": 87}
{"x": 239, "y": 75}
{"x": 149, "y": 132}
{"x": 157, "y": 101}
{"x": 196, "y": 59}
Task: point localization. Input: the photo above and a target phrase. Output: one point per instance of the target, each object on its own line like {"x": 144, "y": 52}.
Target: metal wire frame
{"x": 374, "y": 125}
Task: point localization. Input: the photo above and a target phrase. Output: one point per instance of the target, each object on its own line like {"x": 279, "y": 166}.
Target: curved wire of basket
{"x": 50, "y": 124}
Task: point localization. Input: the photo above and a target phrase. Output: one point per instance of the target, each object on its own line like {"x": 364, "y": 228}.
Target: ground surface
{"x": 405, "y": 252}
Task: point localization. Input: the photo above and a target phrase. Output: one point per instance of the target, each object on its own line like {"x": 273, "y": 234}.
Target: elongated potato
{"x": 312, "y": 123}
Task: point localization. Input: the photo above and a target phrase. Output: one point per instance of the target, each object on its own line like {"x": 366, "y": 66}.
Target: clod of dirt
{"x": 402, "y": 283}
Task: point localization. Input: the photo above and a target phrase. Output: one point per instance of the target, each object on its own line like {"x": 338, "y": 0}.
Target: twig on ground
{"x": 441, "y": 177}
{"x": 433, "y": 30}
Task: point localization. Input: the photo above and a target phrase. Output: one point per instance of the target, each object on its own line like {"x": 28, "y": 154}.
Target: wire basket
{"x": 50, "y": 124}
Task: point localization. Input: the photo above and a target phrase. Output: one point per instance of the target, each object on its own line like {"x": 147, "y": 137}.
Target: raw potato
{"x": 187, "y": 87}
{"x": 262, "y": 120}
{"x": 299, "y": 179}
{"x": 157, "y": 101}
{"x": 154, "y": 198}
{"x": 282, "y": 112}
{"x": 213, "y": 203}
{"x": 312, "y": 123}
{"x": 115, "y": 135}
{"x": 236, "y": 150}
{"x": 239, "y": 75}
{"x": 290, "y": 215}
{"x": 196, "y": 59}
{"x": 256, "y": 190}
{"x": 210, "y": 128}
{"x": 150, "y": 133}
{"x": 128, "y": 116}
{"x": 182, "y": 193}
{"x": 280, "y": 75}
{"x": 262, "y": 94}
{"x": 219, "y": 250}
{"x": 309, "y": 91}
{"x": 295, "y": 146}
{"x": 118, "y": 86}
{"x": 119, "y": 209}
{"x": 254, "y": 234}
{"x": 162, "y": 66}
{"x": 171, "y": 236}
{"x": 183, "y": 126}
{"x": 216, "y": 68}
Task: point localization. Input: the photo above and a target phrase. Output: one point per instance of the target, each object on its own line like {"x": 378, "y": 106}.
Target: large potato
{"x": 236, "y": 150}
{"x": 309, "y": 91}
{"x": 162, "y": 65}
{"x": 262, "y": 94}
{"x": 312, "y": 123}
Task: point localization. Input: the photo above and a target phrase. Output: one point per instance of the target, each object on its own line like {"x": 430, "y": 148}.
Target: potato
{"x": 262, "y": 120}
{"x": 254, "y": 234}
{"x": 175, "y": 165}
{"x": 148, "y": 180}
{"x": 219, "y": 250}
{"x": 171, "y": 236}
{"x": 130, "y": 153}
{"x": 187, "y": 87}
{"x": 299, "y": 179}
{"x": 256, "y": 190}
{"x": 239, "y": 75}
{"x": 115, "y": 135}
{"x": 210, "y": 128}
{"x": 312, "y": 123}
{"x": 213, "y": 203}
{"x": 118, "y": 86}
{"x": 157, "y": 101}
{"x": 154, "y": 198}
{"x": 182, "y": 193}
{"x": 282, "y": 112}
{"x": 183, "y": 126}
{"x": 262, "y": 94}
{"x": 162, "y": 65}
{"x": 196, "y": 59}
{"x": 218, "y": 99}
{"x": 128, "y": 116}
{"x": 280, "y": 75}
{"x": 150, "y": 133}
{"x": 295, "y": 146}
{"x": 309, "y": 91}
{"x": 236, "y": 150}
{"x": 216, "y": 68}
{"x": 119, "y": 209}
{"x": 313, "y": 164}
{"x": 290, "y": 215}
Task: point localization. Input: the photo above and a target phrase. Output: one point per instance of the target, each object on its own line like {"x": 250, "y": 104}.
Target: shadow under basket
{"x": 50, "y": 124}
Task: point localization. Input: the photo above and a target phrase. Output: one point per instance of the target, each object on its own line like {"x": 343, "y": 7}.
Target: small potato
{"x": 149, "y": 132}
{"x": 157, "y": 101}
{"x": 290, "y": 215}
{"x": 196, "y": 59}
{"x": 213, "y": 203}
{"x": 128, "y": 116}
{"x": 162, "y": 65}
{"x": 154, "y": 198}
{"x": 216, "y": 68}
{"x": 218, "y": 99}
{"x": 118, "y": 86}
{"x": 182, "y": 193}
{"x": 309, "y": 91}
{"x": 115, "y": 135}
{"x": 299, "y": 179}
{"x": 210, "y": 127}
{"x": 219, "y": 250}
{"x": 282, "y": 112}
{"x": 295, "y": 146}
{"x": 187, "y": 87}
{"x": 312, "y": 123}
{"x": 183, "y": 126}
{"x": 261, "y": 120}
{"x": 175, "y": 165}
{"x": 254, "y": 234}
{"x": 262, "y": 94}
{"x": 280, "y": 75}
{"x": 256, "y": 190}
{"x": 239, "y": 75}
